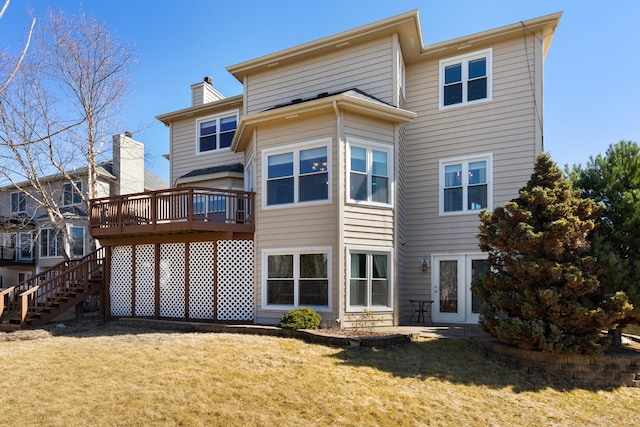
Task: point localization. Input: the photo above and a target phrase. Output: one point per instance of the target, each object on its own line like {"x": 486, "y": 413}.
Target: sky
{"x": 592, "y": 72}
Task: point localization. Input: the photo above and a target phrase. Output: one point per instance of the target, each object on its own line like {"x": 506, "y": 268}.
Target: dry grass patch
{"x": 124, "y": 377}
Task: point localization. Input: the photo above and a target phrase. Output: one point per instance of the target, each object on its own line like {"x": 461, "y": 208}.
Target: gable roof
{"x": 407, "y": 27}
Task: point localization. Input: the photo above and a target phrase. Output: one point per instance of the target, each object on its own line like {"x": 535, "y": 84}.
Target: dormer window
{"x": 216, "y": 132}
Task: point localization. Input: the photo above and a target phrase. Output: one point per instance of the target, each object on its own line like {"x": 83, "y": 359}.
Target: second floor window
{"x": 18, "y": 202}
{"x": 70, "y": 195}
{"x": 369, "y": 174}
{"x": 297, "y": 176}
{"x": 50, "y": 247}
{"x": 465, "y": 184}
{"x": 48, "y": 243}
{"x": 216, "y": 133}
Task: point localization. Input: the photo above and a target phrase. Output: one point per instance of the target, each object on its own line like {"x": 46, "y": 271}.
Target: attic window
{"x": 466, "y": 79}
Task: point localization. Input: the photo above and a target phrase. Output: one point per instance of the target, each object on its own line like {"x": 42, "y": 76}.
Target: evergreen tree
{"x": 613, "y": 181}
{"x": 541, "y": 291}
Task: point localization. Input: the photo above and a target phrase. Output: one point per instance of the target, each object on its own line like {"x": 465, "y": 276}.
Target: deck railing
{"x": 11, "y": 256}
{"x": 173, "y": 210}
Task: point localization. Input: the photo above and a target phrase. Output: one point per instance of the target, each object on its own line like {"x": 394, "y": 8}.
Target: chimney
{"x": 203, "y": 93}
{"x": 128, "y": 164}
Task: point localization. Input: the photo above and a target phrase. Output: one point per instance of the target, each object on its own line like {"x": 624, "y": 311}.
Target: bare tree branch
{"x": 22, "y": 54}
{"x": 56, "y": 113}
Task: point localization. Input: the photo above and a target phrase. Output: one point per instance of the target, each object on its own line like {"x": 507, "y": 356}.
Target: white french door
{"x": 453, "y": 301}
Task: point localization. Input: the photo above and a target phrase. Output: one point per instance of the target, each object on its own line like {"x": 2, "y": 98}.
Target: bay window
{"x": 50, "y": 247}
{"x": 297, "y": 175}
{"x": 369, "y": 173}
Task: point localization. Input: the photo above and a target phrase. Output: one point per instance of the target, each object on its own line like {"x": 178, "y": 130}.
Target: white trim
{"x": 370, "y": 145}
{"x": 296, "y": 252}
{"x": 295, "y": 148}
{"x": 465, "y": 160}
{"x": 370, "y": 250}
{"x": 216, "y": 116}
{"x": 464, "y": 59}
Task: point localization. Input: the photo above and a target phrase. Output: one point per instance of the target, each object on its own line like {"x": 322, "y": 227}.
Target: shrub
{"x": 542, "y": 292}
{"x": 301, "y": 318}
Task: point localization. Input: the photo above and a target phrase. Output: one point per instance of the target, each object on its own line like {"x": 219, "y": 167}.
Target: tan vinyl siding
{"x": 299, "y": 225}
{"x": 368, "y": 67}
{"x": 401, "y": 223}
{"x": 504, "y": 127}
{"x": 366, "y": 225}
{"x": 184, "y": 155}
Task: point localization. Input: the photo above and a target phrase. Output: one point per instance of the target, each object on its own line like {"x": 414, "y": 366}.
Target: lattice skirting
{"x": 181, "y": 284}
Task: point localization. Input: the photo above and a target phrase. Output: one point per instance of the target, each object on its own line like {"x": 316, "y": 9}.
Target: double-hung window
{"x": 216, "y": 132}
{"x": 48, "y": 243}
{"x": 70, "y": 196}
{"x": 370, "y": 173}
{"x": 369, "y": 279}
{"x": 466, "y": 79}
{"x": 465, "y": 184}
{"x": 50, "y": 247}
{"x": 18, "y": 202}
{"x": 297, "y": 278}
{"x": 297, "y": 175}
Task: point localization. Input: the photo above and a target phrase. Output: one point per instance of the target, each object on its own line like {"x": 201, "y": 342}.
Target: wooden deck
{"x": 172, "y": 211}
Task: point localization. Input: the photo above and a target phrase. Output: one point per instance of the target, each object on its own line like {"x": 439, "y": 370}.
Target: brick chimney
{"x": 128, "y": 164}
{"x": 203, "y": 92}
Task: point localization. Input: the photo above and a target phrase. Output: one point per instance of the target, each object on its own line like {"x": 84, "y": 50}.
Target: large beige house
{"x": 347, "y": 177}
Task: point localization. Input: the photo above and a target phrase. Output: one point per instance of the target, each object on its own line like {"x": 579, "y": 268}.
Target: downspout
{"x": 397, "y": 246}
{"x": 257, "y": 284}
{"x": 340, "y": 220}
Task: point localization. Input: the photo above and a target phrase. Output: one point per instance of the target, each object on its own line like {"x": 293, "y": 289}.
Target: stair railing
{"x": 68, "y": 276}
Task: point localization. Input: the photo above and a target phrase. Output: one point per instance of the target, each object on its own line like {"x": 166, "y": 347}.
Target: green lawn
{"x": 117, "y": 377}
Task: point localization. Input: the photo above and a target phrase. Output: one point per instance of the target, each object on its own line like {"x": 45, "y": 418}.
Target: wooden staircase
{"x": 44, "y": 296}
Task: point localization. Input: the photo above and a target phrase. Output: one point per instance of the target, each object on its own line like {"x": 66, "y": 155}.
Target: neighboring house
{"x": 365, "y": 158}
{"x": 29, "y": 243}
